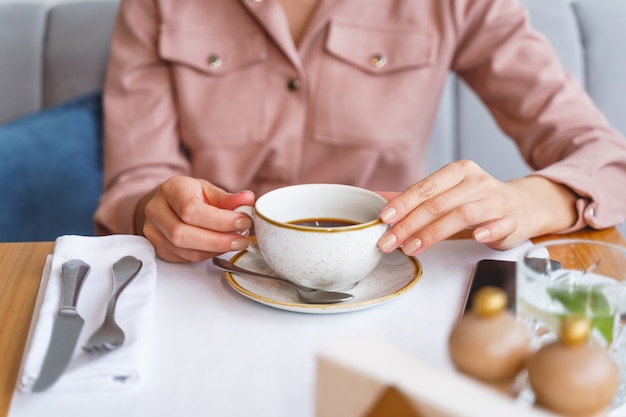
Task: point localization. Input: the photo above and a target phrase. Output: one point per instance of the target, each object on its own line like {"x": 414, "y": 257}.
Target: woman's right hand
{"x": 190, "y": 219}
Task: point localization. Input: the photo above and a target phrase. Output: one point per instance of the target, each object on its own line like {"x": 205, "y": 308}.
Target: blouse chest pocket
{"x": 219, "y": 80}
{"x": 372, "y": 82}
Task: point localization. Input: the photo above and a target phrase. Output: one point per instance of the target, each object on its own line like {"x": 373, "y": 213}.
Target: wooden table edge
{"x": 21, "y": 265}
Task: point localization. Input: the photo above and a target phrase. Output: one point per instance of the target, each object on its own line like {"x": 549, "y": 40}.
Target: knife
{"x": 67, "y": 325}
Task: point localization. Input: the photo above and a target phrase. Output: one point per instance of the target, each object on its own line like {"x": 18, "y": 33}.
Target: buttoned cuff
{"x": 585, "y": 209}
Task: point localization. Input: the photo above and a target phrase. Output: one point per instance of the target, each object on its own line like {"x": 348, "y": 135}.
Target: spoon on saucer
{"x": 307, "y": 295}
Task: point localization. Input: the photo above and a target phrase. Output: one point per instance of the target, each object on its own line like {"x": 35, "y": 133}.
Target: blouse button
{"x": 294, "y": 85}
{"x": 378, "y": 61}
{"x": 214, "y": 61}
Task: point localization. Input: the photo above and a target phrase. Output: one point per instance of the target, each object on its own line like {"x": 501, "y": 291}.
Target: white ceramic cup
{"x": 331, "y": 257}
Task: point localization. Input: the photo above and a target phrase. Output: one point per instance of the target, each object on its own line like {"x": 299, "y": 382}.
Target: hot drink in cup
{"x": 321, "y": 236}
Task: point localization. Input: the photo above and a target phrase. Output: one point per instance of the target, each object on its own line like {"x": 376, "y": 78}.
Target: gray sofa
{"x": 53, "y": 53}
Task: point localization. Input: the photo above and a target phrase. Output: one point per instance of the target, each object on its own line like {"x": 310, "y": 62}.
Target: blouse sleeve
{"x": 557, "y": 127}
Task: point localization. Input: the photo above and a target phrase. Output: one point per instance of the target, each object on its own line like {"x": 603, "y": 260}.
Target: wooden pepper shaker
{"x": 489, "y": 343}
{"x": 571, "y": 376}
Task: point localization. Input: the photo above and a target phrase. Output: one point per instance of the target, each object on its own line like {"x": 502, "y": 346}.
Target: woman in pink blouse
{"x": 209, "y": 103}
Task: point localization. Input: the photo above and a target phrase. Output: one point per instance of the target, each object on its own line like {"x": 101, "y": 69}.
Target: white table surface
{"x": 217, "y": 353}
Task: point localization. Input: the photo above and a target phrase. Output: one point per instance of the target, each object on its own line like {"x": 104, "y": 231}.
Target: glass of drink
{"x": 563, "y": 278}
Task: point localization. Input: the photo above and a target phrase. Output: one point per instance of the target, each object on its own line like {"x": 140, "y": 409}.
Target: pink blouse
{"x": 218, "y": 90}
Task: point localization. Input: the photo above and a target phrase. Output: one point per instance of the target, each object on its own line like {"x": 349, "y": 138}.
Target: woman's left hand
{"x": 462, "y": 195}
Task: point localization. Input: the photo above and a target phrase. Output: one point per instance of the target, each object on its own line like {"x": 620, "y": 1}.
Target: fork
{"x": 109, "y": 335}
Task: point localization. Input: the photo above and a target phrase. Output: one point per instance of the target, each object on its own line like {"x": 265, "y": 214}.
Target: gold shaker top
{"x": 575, "y": 330}
{"x": 489, "y": 301}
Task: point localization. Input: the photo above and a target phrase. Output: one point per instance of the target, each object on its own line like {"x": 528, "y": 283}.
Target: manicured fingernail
{"x": 243, "y": 223}
{"x": 388, "y": 214}
{"x": 239, "y": 244}
{"x": 248, "y": 192}
{"x": 481, "y": 234}
{"x": 412, "y": 246}
{"x": 387, "y": 243}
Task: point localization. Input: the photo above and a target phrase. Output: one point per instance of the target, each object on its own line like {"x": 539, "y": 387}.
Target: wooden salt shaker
{"x": 489, "y": 343}
{"x": 571, "y": 376}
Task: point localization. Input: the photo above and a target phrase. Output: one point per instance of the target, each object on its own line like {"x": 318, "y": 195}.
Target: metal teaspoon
{"x": 308, "y": 295}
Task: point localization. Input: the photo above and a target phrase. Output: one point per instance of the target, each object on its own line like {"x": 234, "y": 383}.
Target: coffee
{"x": 321, "y": 236}
{"x": 323, "y": 222}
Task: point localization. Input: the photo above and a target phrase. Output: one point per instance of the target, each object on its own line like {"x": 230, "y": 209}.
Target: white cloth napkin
{"x": 115, "y": 370}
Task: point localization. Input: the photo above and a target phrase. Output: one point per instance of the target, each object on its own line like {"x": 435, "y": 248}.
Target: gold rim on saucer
{"x": 396, "y": 274}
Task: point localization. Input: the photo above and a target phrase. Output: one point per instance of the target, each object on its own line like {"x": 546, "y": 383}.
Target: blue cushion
{"x": 51, "y": 172}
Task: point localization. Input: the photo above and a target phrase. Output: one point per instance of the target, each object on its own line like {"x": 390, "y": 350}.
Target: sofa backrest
{"x": 50, "y": 53}
{"x": 58, "y": 52}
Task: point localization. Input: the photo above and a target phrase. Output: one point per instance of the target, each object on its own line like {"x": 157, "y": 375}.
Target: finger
{"x": 440, "y": 181}
{"x": 194, "y": 204}
{"x": 171, "y": 253}
{"x": 221, "y": 217}
{"x": 232, "y": 201}
{"x": 498, "y": 234}
{"x": 163, "y": 247}
{"x": 442, "y": 216}
{"x": 187, "y": 236}
{"x": 445, "y": 215}
{"x": 445, "y": 226}
{"x": 164, "y": 253}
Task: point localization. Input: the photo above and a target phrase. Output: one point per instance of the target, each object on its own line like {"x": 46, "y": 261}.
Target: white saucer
{"x": 395, "y": 275}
